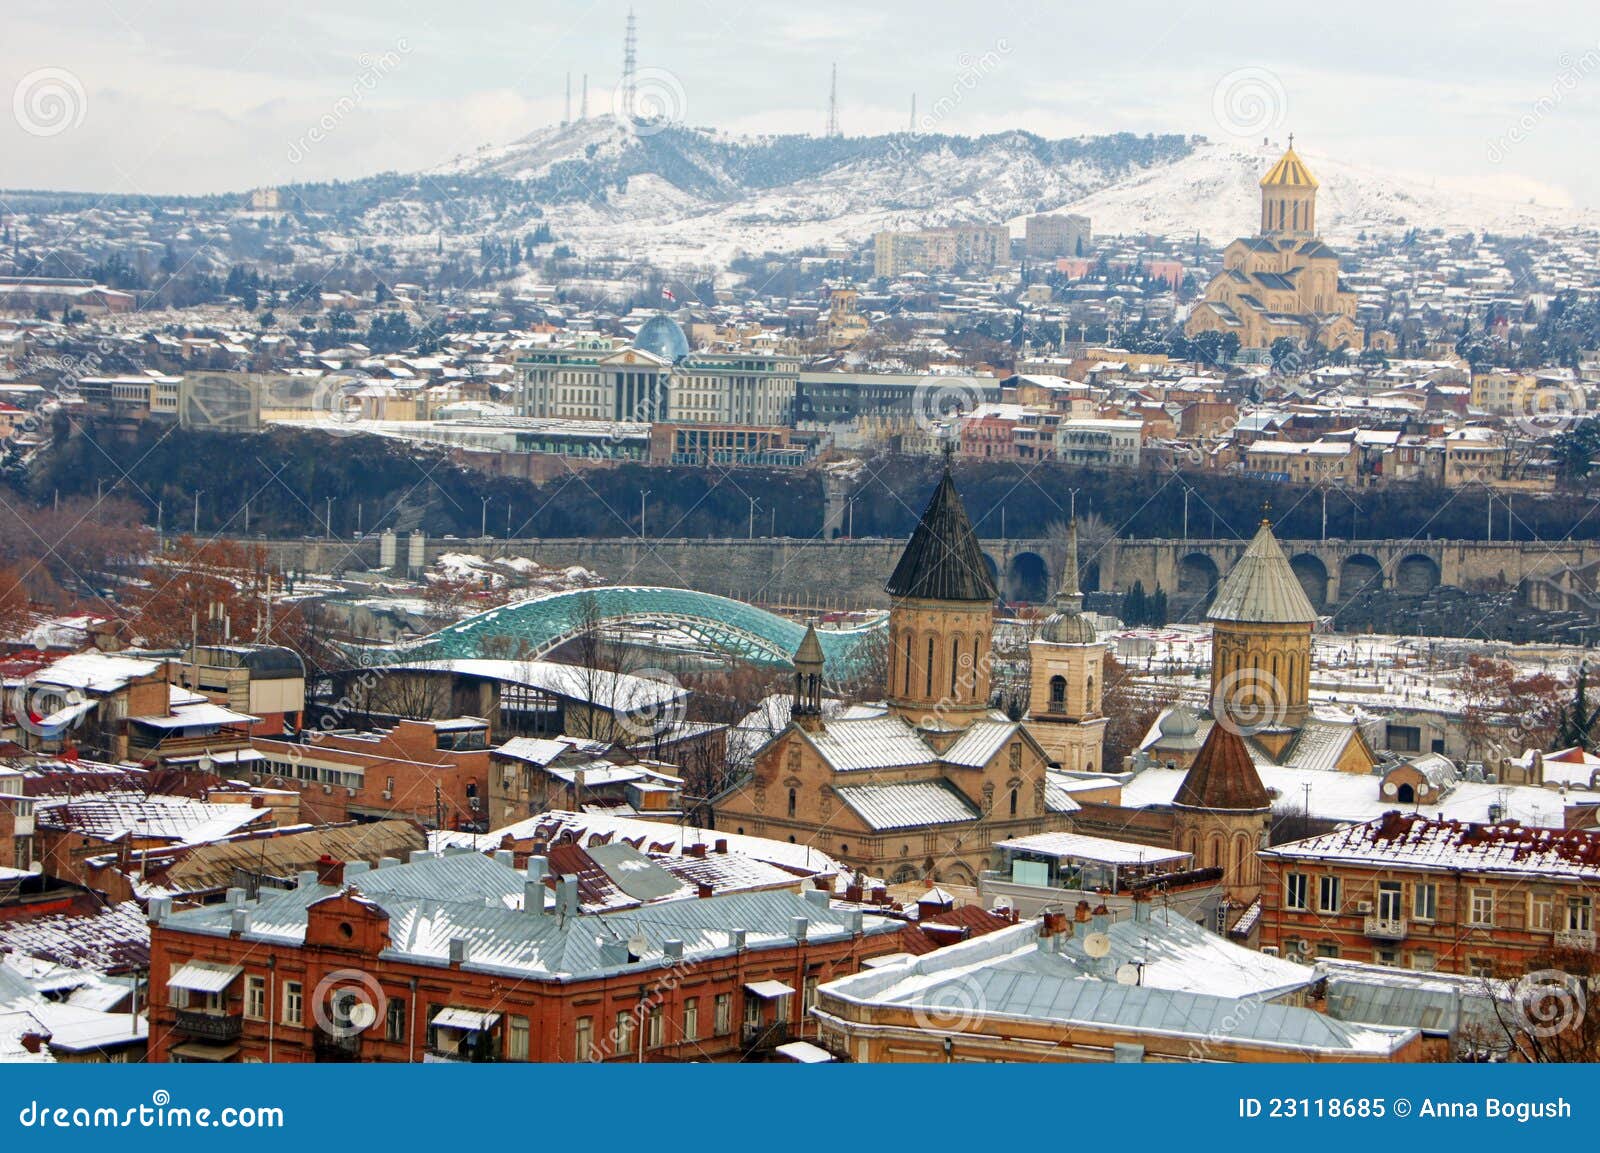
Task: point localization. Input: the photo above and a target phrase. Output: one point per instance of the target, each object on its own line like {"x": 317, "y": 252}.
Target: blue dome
{"x": 663, "y": 336}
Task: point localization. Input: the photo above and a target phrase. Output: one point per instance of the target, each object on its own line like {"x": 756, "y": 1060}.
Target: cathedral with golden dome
{"x": 1283, "y": 281}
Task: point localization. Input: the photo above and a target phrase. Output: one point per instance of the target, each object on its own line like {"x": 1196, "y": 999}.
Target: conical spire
{"x": 1262, "y": 588}
{"x": 943, "y": 560}
{"x": 809, "y": 654}
{"x": 1223, "y": 776}
{"x": 1067, "y": 625}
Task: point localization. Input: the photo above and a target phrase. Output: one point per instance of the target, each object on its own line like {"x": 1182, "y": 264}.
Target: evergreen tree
{"x": 1576, "y": 729}
{"x": 1157, "y": 612}
{"x": 1135, "y": 605}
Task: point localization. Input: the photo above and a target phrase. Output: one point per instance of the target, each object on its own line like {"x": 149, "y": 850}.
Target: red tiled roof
{"x": 1223, "y": 776}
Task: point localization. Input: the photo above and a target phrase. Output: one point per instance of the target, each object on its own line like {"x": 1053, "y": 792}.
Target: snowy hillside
{"x": 1214, "y": 191}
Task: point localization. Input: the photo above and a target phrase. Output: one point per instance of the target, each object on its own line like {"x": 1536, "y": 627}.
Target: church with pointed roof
{"x": 1284, "y": 281}
{"x": 921, "y": 787}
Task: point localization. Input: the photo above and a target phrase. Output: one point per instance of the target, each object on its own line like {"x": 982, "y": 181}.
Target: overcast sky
{"x": 212, "y": 95}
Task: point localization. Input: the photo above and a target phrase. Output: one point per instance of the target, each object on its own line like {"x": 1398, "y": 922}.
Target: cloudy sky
{"x": 210, "y": 95}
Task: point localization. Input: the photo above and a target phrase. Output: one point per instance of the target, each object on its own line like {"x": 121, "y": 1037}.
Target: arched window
{"x": 1013, "y": 802}
{"x": 905, "y": 661}
{"x": 1406, "y": 795}
{"x": 955, "y": 663}
{"x": 1088, "y": 693}
{"x": 1058, "y": 694}
{"x": 928, "y": 691}
{"x": 791, "y": 802}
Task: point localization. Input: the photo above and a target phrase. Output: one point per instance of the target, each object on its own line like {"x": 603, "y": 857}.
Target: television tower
{"x": 566, "y": 117}
{"x": 833, "y": 104}
{"x": 629, "y": 59}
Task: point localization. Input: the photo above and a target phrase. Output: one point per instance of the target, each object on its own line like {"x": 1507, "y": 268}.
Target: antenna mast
{"x": 833, "y": 104}
{"x": 566, "y": 117}
{"x": 583, "y": 109}
{"x": 628, "y": 62}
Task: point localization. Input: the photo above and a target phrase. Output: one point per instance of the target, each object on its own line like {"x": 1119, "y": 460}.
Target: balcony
{"x": 765, "y": 1035}
{"x": 1384, "y": 928}
{"x": 1575, "y": 939}
{"x": 211, "y": 1026}
{"x": 330, "y": 1048}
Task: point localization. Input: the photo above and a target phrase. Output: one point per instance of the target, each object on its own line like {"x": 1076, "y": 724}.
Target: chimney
{"x": 505, "y": 857}
{"x": 852, "y": 921}
{"x": 672, "y": 950}
{"x": 696, "y": 850}
{"x": 1141, "y": 905}
{"x": 160, "y": 909}
{"x": 852, "y": 892}
{"x": 722, "y": 844}
{"x": 1081, "y": 913}
{"x": 1102, "y": 918}
{"x": 32, "y": 1041}
{"x": 567, "y": 896}
{"x": 736, "y": 939}
{"x": 880, "y": 895}
{"x": 799, "y": 925}
{"x": 305, "y": 878}
{"x": 235, "y": 898}
{"x": 704, "y": 890}
{"x": 388, "y": 862}
{"x": 329, "y": 871}
{"x": 819, "y": 897}
{"x": 419, "y": 855}
{"x": 355, "y": 869}
{"x": 533, "y": 887}
{"x": 458, "y": 950}
{"x": 240, "y": 921}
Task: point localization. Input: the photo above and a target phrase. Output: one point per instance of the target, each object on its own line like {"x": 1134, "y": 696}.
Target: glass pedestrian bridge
{"x": 531, "y": 629}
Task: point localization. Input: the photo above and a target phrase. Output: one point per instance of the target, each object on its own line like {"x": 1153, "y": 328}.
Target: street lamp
{"x": 1186, "y": 493}
{"x": 483, "y": 520}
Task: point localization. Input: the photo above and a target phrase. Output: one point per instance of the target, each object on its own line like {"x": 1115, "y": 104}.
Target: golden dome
{"x": 1290, "y": 171}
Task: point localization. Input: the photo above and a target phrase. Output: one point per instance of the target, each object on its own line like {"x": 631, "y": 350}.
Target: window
{"x": 691, "y": 1019}
{"x": 293, "y": 1003}
{"x": 394, "y": 1020}
{"x": 791, "y": 802}
{"x": 1296, "y": 890}
{"x": 1328, "y": 895}
{"x": 255, "y": 998}
{"x": 1425, "y": 900}
{"x": 1541, "y": 912}
{"x": 583, "y": 1032}
{"x": 1580, "y": 915}
{"x": 1328, "y": 949}
{"x": 516, "y": 1038}
{"x": 1423, "y": 960}
{"x": 1482, "y": 909}
{"x": 1013, "y": 802}
{"x": 1480, "y": 967}
{"x": 722, "y": 1023}
{"x": 1389, "y": 902}
{"x": 655, "y": 1031}
{"x": 1058, "y": 694}
{"x": 808, "y": 996}
{"x": 176, "y": 997}
{"x": 622, "y": 1033}
{"x": 1387, "y": 956}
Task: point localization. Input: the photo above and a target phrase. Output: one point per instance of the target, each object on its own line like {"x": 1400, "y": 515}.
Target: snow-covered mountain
{"x": 678, "y": 196}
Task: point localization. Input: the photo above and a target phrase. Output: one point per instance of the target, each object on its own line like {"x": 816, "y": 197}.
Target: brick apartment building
{"x": 435, "y": 772}
{"x": 464, "y": 958}
{"x": 1422, "y": 893}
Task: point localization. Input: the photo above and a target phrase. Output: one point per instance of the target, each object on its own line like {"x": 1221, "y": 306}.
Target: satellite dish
{"x": 1097, "y": 945}
{"x": 637, "y": 944}
{"x": 363, "y": 1014}
{"x": 1128, "y": 974}
{"x": 35, "y": 868}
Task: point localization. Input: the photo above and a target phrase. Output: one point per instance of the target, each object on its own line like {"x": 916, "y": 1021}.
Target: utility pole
{"x": 483, "y": 520}
{"x": 327, "y": 519}
{"x": 642, "y": 534}
{"x": 197, "y": 493}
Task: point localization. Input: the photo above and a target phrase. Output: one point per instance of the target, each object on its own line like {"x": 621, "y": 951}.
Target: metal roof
{"x": 943, "y": 560}
{"x": 907, "y": 805}
{"x": 1262, "y": 588}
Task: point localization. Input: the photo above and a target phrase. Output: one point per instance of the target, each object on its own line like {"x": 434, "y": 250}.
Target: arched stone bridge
{"x": 850, "y": 573}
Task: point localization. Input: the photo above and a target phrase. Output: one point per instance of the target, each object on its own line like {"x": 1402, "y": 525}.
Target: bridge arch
{"x": 1028, "y": 578}
{"x": 1313, "y": 576}
{"x": 536, "y": 627}
{"x": 1359, "y": 574}
{"x": 1198, "y": 576}
{"x": 1089, "y": 578}
{"x": 1417, "y": 574}
{"x": 994, "y": 569}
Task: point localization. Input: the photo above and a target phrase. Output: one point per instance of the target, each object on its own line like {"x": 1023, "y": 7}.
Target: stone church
{"x": 922, "y": 789}
{"x": 1284, "y": 281}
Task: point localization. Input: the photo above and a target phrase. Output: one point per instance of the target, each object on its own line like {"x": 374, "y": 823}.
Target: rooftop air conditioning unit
{"x": 1269, "y": 950}
{"x": 327, "y": 789}
{"x": 387, "y": 795}
{"x": 1364, "y": 906}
